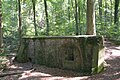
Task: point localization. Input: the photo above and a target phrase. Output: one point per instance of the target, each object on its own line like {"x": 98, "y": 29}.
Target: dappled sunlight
{"x": 29, "y": 71}
{"x": 34, "y": 74}
{"x": 15, "y": 67}
{"x": 45, "y": 76}
{"x": 112, "y": 52}
{"x": 118, "y": 47}
{"x": 59, "y": 40}
{"x": 115, "y": 53}
{"x": 117, "y": 73}
{"x": 64, "y": 78}
{"x": 52, "y": 78}
{"x": 78, "y": 78}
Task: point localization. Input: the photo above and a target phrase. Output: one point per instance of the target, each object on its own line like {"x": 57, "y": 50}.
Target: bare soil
{"x": 31, "y": 71}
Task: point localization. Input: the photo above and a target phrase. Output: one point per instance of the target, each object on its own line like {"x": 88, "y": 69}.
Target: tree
{"x": 116, "y": 18}
{"x": 58, "y": 17}
{"x": 105, "y": 15}
{"x": 19, "y": 21}
{"x": 1, "y": 34}
{"x": 47, "y": 20}
{"x": 111, "y": 12}
{"x": 79, "y": 18}
{"x": 68, "y": 11}
{"x": 100, "y": 10}
{"x": 33, "y": 1}
{"x": 91, "y": 30}
{"x": 76, "y": 16}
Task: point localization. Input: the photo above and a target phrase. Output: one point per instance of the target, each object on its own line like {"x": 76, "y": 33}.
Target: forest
{"x": 46, "y": 18}
{"x": 57, "y": 18}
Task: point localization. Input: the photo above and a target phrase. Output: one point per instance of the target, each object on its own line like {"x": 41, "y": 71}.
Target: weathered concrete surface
{"x": 79, "y": 53}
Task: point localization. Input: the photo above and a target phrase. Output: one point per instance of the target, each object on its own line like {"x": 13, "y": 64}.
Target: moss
{"x": 22, "y": 56}
{"x": 100, "y": 68}
{"x": 54, "y": 51}
{"x": 57, "y": 37}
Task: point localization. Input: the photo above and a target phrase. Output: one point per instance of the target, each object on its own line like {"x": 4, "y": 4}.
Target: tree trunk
{"x": 106, "y": 13}
{"x": 100, "y": 10}
{"x": 47, "y": 20}
{"x": 76, "y": 16}
{"x": 111, "y": 20}
{"x": 91, "y": 30}
{"x": 79, "y": 16}
{"x": 83, "y": 22}
{"x": 1, "y": 34}
{"x": 68, "y": 11}
{"x": 19, "y": 21}
{"x": 33, "y": 1}
{"x": 116, "y": 17}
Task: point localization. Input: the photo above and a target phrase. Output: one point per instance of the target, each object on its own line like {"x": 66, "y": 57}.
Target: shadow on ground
{"x": 111, "y": 72}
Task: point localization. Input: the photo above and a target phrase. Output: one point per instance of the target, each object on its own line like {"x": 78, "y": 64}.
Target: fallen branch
{"x": 16, "y": 73}
{"x": 8, "y": 74}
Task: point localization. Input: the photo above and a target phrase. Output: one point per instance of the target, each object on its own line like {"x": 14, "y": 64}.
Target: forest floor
{"x": 25, "y": 70}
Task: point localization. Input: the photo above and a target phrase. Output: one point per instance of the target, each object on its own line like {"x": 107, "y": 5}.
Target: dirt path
{"x": 112, "y": 71}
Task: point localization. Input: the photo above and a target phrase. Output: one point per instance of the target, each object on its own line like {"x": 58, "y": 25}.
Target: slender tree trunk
{"x": 19, "y": 21}
{"x": 83, "y": 14}
{"x": 76, "y": 16}
{"x": 33, "y": 1}
{"x": 69, "y": 10}
{"x": 91, "y": 30}
{"x": 105, "y": 13}
{"x": 79, "y": 16}
{"x": 16, "y": 5}
{"x": 111, "y": 13}
{"x": 100, "y": 10}
{"x": 47, "y": 20}
{"x": 69, "y": 15}
{"x": 116, "y": 17}
{"x": 1, "y": 33}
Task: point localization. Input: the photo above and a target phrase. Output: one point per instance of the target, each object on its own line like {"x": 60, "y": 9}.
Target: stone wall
{"x": 79, "y": 53}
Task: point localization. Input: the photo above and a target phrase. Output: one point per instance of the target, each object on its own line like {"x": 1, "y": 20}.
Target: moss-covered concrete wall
{"x": 79, "y": 53}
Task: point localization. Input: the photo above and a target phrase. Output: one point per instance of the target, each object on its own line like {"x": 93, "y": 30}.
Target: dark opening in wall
{"x": 69, "y": 54}
{"x": 70, "y": 57}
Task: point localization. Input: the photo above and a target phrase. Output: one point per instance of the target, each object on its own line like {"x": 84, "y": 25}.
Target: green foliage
{"x": 3, "y": 59}
{"x": 9, "y": 13}
{"x": 61, "y": 15}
